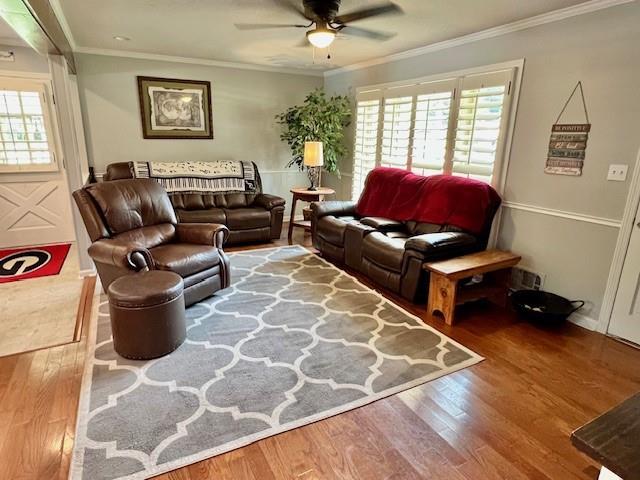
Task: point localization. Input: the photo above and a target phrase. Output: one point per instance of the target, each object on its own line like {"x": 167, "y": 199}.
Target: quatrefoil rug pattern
{"x": 292, "y": 341}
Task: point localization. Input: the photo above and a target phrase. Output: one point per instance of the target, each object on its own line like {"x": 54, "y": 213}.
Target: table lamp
{"x": 313, "y": 160}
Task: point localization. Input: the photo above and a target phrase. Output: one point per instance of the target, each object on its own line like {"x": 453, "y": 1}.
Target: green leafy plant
{"x": 319, "y": 119}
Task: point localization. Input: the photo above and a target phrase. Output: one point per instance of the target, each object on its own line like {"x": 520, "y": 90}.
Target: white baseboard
{"x": 584, "y": 321}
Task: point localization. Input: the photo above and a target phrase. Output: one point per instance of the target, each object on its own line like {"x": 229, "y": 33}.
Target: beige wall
{"x": 25, "y": 60}
{"x": 244, "y": 105}
{"x": 602, "y": 50}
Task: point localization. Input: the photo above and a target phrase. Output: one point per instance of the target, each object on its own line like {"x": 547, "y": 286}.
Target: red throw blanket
{"x": 441, "y": 199}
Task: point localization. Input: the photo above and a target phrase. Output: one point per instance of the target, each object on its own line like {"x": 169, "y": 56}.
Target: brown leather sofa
{"x": 249, "y": 217}
{"x": 389, "y": 252}
{"x": 133, "y": 228}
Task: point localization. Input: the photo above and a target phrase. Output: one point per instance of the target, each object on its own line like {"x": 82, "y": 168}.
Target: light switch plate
{"x": 617, "y": 173}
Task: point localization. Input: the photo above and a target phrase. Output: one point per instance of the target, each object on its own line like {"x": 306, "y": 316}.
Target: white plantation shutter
{"x": 479, "y": 130}
{"x": 366, "y": 142}
{"x": 450, "y": 127}
{"x": 396, "y": 131}
{"x": 431, "y": 133}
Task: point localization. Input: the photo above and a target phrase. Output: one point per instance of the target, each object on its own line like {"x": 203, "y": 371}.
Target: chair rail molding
{"x": 620, "y": 253}
{"x": 581, "y": 217}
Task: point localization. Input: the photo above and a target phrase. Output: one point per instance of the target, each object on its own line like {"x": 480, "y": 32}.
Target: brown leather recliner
{"x": 250, "y": 217}
{"x": 133, "y": 228}
{"x": 389, "y": 252}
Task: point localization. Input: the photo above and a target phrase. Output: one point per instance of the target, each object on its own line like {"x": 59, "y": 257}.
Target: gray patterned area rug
{"x": 292, "y": 341}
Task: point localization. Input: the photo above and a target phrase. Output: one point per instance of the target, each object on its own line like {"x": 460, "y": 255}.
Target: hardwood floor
{"x": 507, "y": 417}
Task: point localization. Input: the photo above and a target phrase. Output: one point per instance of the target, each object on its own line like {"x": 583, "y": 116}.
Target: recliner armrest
{"x": 333, "y": 207}
{"x": 268, "y": 202}
{"x": 440, "y": 243}
{"x": 212, "y": 234}
{"x": 120, "y": 254}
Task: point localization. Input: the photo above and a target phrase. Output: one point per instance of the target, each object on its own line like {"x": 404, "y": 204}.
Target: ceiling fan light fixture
{"x": 321, "y": 37}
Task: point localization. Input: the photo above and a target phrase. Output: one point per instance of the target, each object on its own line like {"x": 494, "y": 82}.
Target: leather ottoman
{"x": 147, "y": 314}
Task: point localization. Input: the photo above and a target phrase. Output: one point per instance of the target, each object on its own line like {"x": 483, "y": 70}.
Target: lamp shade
{"x": 313, "y": 155}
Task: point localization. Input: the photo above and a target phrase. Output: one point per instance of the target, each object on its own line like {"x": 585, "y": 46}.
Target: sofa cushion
{"x": 211, "y": 215}
{"x": 331, "y": 229}
{"x": 185, "y": 258}
{"x": 384, "y": 251}
{"x": 247, "y": 218}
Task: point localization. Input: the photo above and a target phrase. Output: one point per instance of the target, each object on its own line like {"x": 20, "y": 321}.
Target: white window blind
{"x": 451, "y": 127}
{"x": 25, "y": 132}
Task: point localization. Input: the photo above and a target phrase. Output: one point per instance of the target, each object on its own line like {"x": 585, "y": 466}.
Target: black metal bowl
{"x": 543, "y": 307}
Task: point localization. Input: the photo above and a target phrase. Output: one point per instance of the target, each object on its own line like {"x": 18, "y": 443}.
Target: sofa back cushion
{"x": 192, "y": 201}
{"x": 126, "y": 205}
{"x": 438, "y": 199}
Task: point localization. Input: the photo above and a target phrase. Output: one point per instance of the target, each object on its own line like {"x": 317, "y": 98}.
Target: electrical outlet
{"x": 617, "y": 173}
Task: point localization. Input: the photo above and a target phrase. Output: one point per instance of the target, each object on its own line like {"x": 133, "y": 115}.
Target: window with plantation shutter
{"x": 479, "y": 126}
{"x": 366, "y": 142}
{"x": 452, "y": 127}
{"x": 431, "y": 133}
{"x": 396, "y": 131}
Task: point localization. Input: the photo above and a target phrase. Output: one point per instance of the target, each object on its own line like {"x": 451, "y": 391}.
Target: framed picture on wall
{"x": 175, "y": 109}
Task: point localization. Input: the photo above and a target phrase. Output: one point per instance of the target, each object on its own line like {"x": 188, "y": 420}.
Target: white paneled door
{"x": 34, "y": 210}
{"x": 625, "y": 320}
{"x": 35, "y": 206}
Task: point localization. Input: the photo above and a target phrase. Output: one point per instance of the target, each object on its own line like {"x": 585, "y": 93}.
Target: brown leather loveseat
{"x": 390, "y": 252}
{"x": 133, "y": 228}
{"x": 250, "y": 217}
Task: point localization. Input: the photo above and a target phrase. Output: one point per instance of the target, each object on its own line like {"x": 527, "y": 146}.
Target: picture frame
{"x": 175, "y": 109}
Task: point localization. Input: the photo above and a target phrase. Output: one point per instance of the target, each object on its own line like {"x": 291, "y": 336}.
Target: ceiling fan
{"x": 324, "y": 15}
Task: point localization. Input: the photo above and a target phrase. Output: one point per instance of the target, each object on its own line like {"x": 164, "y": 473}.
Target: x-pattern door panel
{"x": 35, "y": 212}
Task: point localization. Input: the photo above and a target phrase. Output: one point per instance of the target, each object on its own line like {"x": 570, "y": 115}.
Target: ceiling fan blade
{"x": 289, "y": 5}
{"x": 387, "y": 9}
{"x": 263, "y": 26}
{"x": 366, "y": 33}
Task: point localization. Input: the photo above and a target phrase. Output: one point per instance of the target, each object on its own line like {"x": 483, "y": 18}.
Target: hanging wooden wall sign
{"x": 568, "y": 142}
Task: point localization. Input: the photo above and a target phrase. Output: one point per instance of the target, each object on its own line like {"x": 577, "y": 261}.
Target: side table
{"x": 305, "y": 195}
{"x": 445, "y": 292}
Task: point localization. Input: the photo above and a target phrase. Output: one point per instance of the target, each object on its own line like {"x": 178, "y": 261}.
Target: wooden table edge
{"x": 489, "y": 267}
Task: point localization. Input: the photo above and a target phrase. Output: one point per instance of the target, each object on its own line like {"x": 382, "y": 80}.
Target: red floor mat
{"x": 31, "y": 262}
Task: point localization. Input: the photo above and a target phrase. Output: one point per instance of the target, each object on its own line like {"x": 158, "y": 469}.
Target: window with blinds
{"x": 451, "y": 127}
{"x": 25, "y": 142}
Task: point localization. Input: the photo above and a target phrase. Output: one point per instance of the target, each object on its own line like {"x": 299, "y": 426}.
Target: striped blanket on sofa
{"x": 225, "y": 176}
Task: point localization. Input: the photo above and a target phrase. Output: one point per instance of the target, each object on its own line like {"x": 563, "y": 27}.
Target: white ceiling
{"x": 205, "y": 29}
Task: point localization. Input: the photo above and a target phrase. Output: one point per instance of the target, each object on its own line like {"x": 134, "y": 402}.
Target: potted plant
{"x": 319, "y": 119}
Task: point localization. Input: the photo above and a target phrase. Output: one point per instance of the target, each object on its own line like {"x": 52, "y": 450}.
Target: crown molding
{"x": 198, "y": 61}
{"x": 542, "y": 19}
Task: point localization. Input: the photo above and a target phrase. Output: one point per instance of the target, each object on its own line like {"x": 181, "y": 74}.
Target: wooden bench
{"x": 444, "y": 289}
